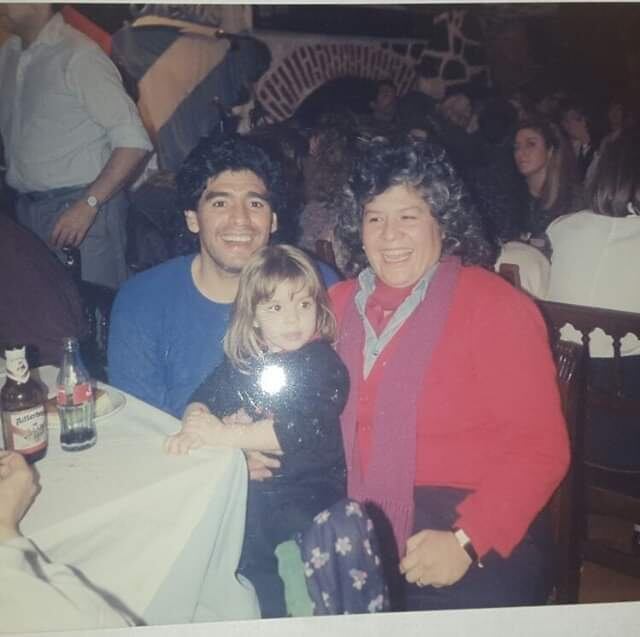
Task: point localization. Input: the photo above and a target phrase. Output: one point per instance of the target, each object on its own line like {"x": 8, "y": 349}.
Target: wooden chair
{"x": 567, "y": 506}
{"x": 511, "y": 273}
{"x": 608, "y": 491}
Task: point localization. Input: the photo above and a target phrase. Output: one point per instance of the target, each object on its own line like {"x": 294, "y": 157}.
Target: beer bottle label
{"x": 28, "y": 429}
{"x": 82, "y": 393}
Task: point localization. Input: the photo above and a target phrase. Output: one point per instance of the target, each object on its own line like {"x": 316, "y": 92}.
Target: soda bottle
{"x": 24, "y": 423}
{"x": 75, "y": 401}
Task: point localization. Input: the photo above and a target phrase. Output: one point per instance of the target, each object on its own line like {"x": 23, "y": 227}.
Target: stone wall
{"x": 302, "y": 63}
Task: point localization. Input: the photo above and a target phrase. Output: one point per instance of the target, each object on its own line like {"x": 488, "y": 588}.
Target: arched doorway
{"x": 351, "y": 93}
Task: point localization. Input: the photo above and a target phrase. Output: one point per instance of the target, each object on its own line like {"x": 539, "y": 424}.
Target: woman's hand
{"x": 434, "y": 558}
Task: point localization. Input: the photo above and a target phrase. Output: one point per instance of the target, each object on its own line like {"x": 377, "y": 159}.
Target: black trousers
{"x": 524, "y": 578}
{"x": 276, "y": 512}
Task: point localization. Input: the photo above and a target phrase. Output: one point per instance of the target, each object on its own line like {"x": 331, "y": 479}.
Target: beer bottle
{"x": 24, "y": 424}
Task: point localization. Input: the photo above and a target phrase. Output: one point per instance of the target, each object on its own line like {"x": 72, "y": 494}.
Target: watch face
{"x": 92, "y": 201}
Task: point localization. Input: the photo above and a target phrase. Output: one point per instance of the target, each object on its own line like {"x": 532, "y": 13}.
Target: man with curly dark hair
{"x": 168, "y": 322}
{"x": 453, "y": 430}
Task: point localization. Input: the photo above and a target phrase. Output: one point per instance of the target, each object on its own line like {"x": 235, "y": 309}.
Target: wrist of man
{"x": 467, "y": 545}
{"x": 92, "y": 203}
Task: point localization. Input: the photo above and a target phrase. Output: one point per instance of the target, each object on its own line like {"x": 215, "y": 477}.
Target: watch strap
{"x": 466, "y": 544}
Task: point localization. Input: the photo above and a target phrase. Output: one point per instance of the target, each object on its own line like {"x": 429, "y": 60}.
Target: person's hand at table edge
{"x": 18, "y": 488}
{"x": 182, "y": 442}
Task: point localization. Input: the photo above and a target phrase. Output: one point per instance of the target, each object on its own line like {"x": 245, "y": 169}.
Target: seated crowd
{"x": 421, "y": 418}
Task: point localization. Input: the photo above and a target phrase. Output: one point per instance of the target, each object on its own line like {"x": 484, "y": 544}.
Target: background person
{"x": 38, "y": 594}
{"x": 40, "y": 302}
{"x": 620, "y": 119}
{"x": 580, "y": 126}
{"x": 534, "y": 268}
{"x": 499, "y": 192}
{"x": 595, "y": 263}
{"x": 545, "y": 160}
{"x": 453, "y": 431}
{"x": 72, "y": 138}
{"x": 326, "y": 169}
{"x": 382, "y": 118}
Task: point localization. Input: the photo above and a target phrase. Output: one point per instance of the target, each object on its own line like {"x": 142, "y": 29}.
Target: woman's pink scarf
{"x": 390, "y": 475}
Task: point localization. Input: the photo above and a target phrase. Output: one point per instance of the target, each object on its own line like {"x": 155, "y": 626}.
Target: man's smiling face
{"x": 234, "y": 219}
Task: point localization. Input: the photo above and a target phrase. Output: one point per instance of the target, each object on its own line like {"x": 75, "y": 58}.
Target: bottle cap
{"x": 69, "y": 343}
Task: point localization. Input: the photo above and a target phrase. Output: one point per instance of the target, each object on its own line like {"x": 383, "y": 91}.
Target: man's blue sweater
{"x": 165, "y": 337}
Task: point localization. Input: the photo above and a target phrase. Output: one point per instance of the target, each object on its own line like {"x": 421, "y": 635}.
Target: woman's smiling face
{"x": 401, "y": 238}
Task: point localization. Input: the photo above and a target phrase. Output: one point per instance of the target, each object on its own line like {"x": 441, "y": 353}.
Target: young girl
{"x": 281, "y": 369}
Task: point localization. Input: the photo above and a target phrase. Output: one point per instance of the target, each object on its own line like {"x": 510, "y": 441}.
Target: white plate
{"x": 118, "y": 401}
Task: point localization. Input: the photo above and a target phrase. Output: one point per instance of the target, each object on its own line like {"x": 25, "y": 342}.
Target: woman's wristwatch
{"x": 466, "y": 544}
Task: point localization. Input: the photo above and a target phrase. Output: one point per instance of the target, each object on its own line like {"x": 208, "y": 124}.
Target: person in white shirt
{"x": 595, "y": 262}
{"x": 596, "y": 252}
{"x": 36, "y": 594}
{"x": 534, "y": 267}
{"x": 72, "y": 138}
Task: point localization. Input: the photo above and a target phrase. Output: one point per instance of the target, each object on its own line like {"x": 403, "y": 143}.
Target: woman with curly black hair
{"x": 453, "y": 430}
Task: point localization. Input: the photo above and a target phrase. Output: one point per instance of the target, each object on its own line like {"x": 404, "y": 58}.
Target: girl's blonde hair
{"x": 268, "y": 268}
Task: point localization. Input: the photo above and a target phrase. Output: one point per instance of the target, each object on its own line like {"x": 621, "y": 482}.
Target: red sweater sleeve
{"x": 515, "y": 377}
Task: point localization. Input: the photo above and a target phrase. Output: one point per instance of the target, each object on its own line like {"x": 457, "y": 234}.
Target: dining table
{"x": 158, "y": 535}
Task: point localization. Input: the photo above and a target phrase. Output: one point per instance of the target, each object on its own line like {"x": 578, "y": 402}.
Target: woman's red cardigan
{"x": 489, "y": 414}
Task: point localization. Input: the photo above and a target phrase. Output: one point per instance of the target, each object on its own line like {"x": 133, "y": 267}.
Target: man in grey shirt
{"x": 72, "y": 138}
{"x": 38, "y": 594}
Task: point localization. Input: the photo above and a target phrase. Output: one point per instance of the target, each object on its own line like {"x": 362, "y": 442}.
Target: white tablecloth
{"x": 160, "y": 534}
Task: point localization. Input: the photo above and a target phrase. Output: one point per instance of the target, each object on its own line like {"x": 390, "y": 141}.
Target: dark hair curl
{"x": 425, "y": 167}
{"x": 216, "y": 154}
